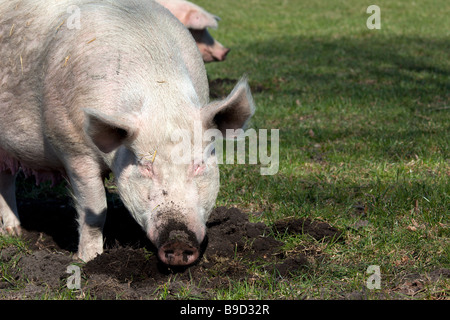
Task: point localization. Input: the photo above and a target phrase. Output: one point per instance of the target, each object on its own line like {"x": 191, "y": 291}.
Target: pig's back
{"x": 132, "y": 51}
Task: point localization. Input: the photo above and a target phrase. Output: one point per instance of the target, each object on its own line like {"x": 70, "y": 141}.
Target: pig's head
{"x": 166, "y": 179}
{"x": 198, "y": 20}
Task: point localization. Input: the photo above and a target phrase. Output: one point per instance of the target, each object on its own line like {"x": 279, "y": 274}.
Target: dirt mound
{"x": 129, "y": 268}
{"x": 44, "y": 267}
{"x": 229, "y": 232}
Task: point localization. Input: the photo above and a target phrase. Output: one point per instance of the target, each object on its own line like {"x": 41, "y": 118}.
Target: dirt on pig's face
{"x": 170, "y": 200}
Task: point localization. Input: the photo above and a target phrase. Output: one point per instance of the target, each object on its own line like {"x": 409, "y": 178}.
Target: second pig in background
{"x": 197, "y": 20}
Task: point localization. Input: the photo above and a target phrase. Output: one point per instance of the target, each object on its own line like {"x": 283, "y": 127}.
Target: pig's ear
{"x": 231, "y": 113}
{"x": 109, "y": 132}
{"x": 199, "y": 19}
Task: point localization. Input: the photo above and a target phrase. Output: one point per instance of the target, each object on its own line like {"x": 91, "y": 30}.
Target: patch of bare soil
{"x": 129, "y": 268}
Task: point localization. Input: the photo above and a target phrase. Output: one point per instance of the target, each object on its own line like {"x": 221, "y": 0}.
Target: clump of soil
{"x": 44, "y": 267}
{"x": 230, "y": 232}
{"x": 129, "y": 268}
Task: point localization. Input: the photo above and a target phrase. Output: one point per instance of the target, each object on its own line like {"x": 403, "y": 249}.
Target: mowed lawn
{"x": 364, "y": 142}
{"x": 364, "y": 120}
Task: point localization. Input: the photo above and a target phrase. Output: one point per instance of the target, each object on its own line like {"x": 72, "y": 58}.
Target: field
{"x": 363, "y": 179}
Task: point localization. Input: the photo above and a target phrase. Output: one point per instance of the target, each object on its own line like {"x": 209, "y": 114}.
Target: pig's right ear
{"x": 109, "y": 132}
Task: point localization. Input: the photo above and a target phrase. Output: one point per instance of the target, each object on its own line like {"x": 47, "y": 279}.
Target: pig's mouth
{"x": 178, "y": 245}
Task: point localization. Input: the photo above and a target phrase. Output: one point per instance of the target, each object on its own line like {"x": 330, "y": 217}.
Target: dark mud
{"x": 129, "y": 268}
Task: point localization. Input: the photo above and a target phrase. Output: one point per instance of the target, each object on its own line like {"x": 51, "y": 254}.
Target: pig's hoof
{"x": 86, "y": 256}
{"x": 178, "y": 254}
{"x": 14, "y": 231}
{"x": 76, "y": 258}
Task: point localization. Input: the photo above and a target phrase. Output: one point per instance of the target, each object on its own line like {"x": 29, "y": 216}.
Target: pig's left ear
{"x": 109, "y": 132}
{"x": 231, "y": 113}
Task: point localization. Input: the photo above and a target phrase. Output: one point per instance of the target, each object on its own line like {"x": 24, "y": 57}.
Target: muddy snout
{"x": 179, "y": 248}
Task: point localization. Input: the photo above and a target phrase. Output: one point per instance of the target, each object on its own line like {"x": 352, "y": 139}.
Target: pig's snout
{"x": 179, "y": 249}
{"x": 220, "y": 55}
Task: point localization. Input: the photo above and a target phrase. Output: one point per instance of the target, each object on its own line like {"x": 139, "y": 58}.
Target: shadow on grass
{"x": 379, "y": 68}
{"x": 340, "y": 196}
{"x": 47, "y": 210}
{"x": 378, "y": 96}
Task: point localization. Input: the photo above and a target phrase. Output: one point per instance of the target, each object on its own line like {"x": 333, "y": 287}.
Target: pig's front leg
{"x": 9, "y": 219}
{"x": 90, "y": 201}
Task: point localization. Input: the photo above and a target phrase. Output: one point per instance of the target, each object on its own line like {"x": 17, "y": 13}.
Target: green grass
{"x": 364, "y": 120}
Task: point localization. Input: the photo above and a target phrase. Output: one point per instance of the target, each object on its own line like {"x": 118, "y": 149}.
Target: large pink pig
{"x": 88, "y": 87}
{"x": 197, "y": 20}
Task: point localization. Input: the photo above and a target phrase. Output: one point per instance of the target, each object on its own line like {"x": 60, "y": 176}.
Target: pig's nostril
{"x": 173, "y": 255}
{"x": 170, "y": 254}
{"x": 188, "y": 254}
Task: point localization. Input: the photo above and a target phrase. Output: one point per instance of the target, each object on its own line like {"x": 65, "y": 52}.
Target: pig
{"x": 91, "y": 87}
{"x": 197, "y": 20}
